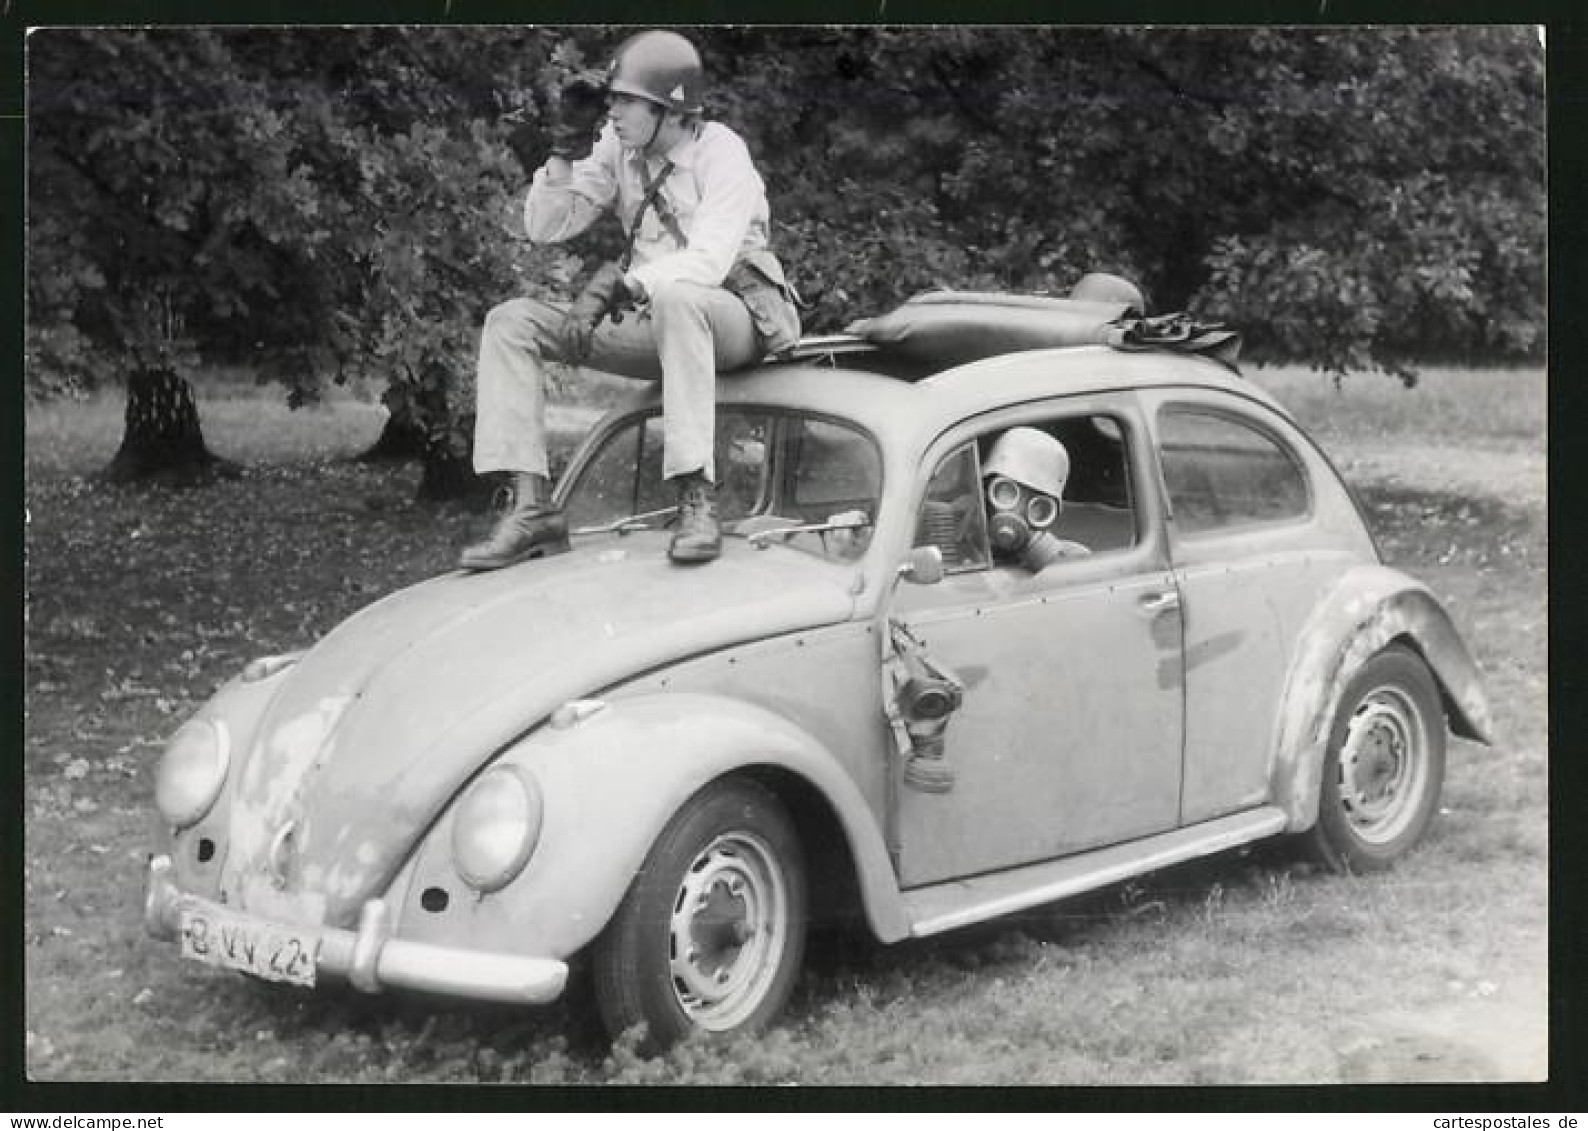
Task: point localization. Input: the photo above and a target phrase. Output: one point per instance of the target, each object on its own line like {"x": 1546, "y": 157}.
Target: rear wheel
{"x": 711, "y": 933}
{"x": 1384, "y": 766}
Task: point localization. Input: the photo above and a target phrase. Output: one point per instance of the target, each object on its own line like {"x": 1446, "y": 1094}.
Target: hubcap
{"x": 1383, "y": 765}
{"x": 728, "y": 931}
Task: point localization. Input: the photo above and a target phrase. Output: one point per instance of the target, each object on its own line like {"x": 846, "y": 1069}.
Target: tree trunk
{"x": 414, "y": 408}
{"x": 163, "y": 440}
{"x": 401, "y": 439}
{"x": 448, "y": 470}
{"x": 449, "y": 478}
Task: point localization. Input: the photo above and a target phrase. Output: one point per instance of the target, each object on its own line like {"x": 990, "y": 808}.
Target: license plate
{"x": 271, "y": 951}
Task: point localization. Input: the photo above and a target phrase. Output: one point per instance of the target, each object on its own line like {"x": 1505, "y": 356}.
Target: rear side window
{"x": 1224, "y": 473}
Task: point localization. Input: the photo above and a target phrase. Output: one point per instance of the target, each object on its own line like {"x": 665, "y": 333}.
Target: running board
{"x": 959, "y": 903}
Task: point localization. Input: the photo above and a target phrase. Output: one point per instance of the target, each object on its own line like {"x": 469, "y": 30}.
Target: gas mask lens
{"x": 1007, "y": 496}
{"x": 1003, "y": 493}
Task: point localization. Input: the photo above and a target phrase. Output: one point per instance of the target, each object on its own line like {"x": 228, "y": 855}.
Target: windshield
{"x": 776, "y": 470}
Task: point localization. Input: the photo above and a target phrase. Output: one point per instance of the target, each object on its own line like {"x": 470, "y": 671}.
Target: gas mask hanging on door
{"x": 1024, "y": 477}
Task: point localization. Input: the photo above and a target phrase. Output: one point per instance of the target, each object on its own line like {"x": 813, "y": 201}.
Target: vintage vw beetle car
{"x": 858, "y": 710}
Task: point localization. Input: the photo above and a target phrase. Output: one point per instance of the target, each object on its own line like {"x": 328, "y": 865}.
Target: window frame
{"x": 1165, "y": 409}
{"x": 1147, "y": 551}
{"x": 781, "y": 418}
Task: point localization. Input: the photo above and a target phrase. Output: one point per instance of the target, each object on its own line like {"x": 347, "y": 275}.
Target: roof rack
{"x": 824, "y": 345}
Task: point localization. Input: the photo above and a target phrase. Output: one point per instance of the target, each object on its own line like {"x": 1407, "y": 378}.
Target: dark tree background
{"x": 322, "y": 204}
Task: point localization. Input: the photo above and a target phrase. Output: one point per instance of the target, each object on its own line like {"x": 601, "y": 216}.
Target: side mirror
{"x": 923, "y": 566}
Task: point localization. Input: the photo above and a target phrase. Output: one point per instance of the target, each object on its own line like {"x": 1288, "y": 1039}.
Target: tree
{"x": 333, "y": 203}
{"x": 318, "y": 203}
{"x": 1352, "y": 198}
{"x": 159, "y": 182}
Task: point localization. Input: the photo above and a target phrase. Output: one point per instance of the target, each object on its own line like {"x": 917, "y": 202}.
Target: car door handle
{"x": 1161, "y": 601}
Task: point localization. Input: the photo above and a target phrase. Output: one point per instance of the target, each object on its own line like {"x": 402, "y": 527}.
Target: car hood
{"x": 376, "y": 728}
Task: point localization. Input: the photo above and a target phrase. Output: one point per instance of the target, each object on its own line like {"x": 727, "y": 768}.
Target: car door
{"x": 1069, "y": 733}
{"x": 1251, "y": 561}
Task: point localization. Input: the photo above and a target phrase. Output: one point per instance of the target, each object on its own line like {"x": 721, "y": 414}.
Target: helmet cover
{"x": 661, "y": 67}
{"x": 1029, "y": 457}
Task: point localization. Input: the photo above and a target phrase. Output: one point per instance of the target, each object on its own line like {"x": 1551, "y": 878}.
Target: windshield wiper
{"x": 849, "y": 520}
{"x": 629, "y": 524}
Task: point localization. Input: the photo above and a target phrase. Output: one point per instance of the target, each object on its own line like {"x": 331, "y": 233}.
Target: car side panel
{"x": 1241, "y": 620}
{"x": 1247, "y": 592}
{"x": 825, "y": 681}
{"x": 610, "y": 784}
{"x": 1069, "y": 737}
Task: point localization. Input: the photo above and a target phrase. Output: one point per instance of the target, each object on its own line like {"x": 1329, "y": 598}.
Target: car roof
{"x": 845, "y": 382}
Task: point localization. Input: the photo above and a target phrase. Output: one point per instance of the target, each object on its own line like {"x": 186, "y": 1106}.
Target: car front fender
{"x": 610, "y": 783}
{"x": 1368, "y": 609}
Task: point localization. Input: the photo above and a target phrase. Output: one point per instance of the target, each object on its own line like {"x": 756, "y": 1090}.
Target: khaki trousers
{"x": 686, "y": 335}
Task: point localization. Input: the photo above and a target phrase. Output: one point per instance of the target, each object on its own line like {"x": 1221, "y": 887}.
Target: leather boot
{"x": 529, "y": 529}
{"x": 697, "y": 538}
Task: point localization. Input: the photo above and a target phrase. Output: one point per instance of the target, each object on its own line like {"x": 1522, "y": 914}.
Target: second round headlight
{"x": 192, "y": 771}
{"x": 495, "y": 828}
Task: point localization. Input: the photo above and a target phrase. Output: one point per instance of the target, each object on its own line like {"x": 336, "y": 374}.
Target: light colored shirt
{"x": 713, "y": 190}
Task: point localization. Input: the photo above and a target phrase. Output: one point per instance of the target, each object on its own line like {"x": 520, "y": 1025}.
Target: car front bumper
{"x": 372, "y": 960}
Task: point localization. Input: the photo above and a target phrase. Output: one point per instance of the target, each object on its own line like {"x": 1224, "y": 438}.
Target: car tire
{"x": 711, "y": 932}
{"x": 1384, "y": 766}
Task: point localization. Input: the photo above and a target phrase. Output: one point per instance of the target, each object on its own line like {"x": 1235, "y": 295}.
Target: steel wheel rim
{"x": 728, "y": 930}
{"x": 1383, "y": 765}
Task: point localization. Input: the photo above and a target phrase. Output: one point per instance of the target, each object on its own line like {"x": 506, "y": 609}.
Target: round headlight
{"x": 192, "y": 771}
{"x": 495, "y": 828}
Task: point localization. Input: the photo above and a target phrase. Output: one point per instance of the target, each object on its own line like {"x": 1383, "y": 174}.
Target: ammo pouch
{"x": 757, "y": 278}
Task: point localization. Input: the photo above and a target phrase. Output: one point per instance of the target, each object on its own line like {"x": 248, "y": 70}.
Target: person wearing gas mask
{"x": 1024, "y": 477}
{"x": 696, "y": 292}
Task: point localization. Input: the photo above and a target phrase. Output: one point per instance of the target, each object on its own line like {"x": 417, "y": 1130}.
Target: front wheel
{"x": 1384, "y": 766}
{"x": 711, "y": 932}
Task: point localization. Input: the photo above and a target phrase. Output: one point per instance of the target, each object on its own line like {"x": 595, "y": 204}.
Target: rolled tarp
{"x": 948, "y": 328}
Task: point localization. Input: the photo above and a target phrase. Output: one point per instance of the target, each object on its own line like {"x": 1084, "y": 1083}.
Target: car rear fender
{"x": 1367, "y": 610}
{"x": 610, "y": 784}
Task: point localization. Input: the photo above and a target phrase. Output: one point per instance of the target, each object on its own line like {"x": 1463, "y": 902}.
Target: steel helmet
{"x": 1031, "y": 458}
{"x": 1100, "y": 287}
{"x": 662, "y": 67}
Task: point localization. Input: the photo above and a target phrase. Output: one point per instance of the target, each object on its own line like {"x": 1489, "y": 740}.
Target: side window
{"x": 741, "y": 458}
{"x": 1031, "y": 495}
{"x": 834, "y": 468}
{"x": 952, "y": 515}
{"x": 624, "y": 478}
{"x": 1223, "y": 473}
{"x": 1099, "y": 509}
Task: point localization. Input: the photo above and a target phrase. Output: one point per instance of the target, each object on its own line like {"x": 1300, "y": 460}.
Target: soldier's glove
{"x": 602, "y": 295}
{"x": 580, "y": 108}
{"x": 564, "y": 123}
{"x": 528, "y": 143}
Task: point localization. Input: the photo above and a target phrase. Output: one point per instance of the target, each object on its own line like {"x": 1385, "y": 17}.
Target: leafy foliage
{"x": 334, "y": 203}
{"x": 1351, "y": 198}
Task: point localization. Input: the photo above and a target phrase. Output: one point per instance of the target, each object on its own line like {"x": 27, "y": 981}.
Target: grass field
{"x": 1246, "y": 969}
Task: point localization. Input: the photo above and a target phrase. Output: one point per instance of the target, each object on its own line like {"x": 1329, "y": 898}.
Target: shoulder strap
{"x": 653, "y": 199}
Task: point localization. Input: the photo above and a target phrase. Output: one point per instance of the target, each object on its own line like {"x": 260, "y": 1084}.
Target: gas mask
{"x": 926, "y": 694}
{"x": 1018, "y": 523}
